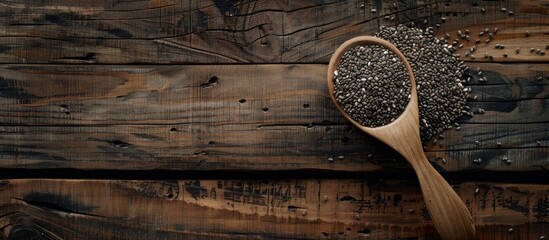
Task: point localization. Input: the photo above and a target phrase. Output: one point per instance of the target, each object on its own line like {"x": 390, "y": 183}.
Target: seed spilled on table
{"x": 439, "y": 76}
{"x": 373, "y": 87}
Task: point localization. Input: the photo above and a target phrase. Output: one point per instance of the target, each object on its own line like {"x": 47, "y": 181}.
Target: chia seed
{"x": 364, "y": 88}
{"x": 441, "y": 98}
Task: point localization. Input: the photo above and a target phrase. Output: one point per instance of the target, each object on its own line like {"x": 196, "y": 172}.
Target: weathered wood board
{"x": 223, "y": 94}
{"x": 258, "y": 31}
{"x": 137, "y": 89}
{"x": 244, "y": 117}
{"x": 369, "y": 208}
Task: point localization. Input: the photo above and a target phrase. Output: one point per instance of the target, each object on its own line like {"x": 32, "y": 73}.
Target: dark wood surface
{"x": 244, "y": 117}
{"x": 170, "y": 31}
{"x": 197, "y": 91}
{"x": 258, "y": 209}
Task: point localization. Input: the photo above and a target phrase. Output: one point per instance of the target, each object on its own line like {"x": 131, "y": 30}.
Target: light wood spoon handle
{"x": 448, "y": 212}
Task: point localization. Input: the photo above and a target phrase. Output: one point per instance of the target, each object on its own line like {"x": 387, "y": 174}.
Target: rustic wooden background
{"x": 166, "y": 119}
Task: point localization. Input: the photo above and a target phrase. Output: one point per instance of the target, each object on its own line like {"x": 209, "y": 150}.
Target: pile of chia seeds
{"x": 438, "y": 73}
{"x": 371, "y": 85}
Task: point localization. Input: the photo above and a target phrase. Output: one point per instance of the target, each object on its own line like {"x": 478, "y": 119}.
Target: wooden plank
{"x": 246, "y": 147}
{"x": 224, "y": 94}
{"x": 184, "y": 118}
{"x": 245, "y": 31}
{"x": 266, "y": 209}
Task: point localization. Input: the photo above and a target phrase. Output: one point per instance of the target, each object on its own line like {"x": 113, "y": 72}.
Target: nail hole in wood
{"x": 242, "y": 100}
{"x": 170, "y": 195}
{"x": 265, "y": 109}
{"x": 347, "y": 198}
{"x": 211, "y": 142}
{"x": 211, "y": 82}
{"x": 173, "y": 129}
{"x": 67, "y": 113}
{"x": 63, "y": 106}
{"x": 200, "y": 152}
{"x": 119, "y": 144}
{"x": 306, "y": 105}
{"x": 364, "y": 231}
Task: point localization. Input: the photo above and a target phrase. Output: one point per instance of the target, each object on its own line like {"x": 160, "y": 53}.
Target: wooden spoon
{"x": 448, "y": 212}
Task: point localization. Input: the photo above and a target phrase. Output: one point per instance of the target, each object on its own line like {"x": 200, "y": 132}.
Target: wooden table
{"x": 166, "y": 119}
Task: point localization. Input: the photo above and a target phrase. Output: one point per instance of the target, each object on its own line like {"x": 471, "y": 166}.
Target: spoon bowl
{"x": 448, "y": 212}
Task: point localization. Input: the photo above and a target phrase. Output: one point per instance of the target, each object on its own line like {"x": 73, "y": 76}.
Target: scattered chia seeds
{"x": 438, "y": 73}
{"x": 372, "y": 85}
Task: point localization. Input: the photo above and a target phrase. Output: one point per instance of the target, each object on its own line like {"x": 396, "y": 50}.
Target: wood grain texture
{"x": 258, "y": 31}
{"x": 245, "y": 147}
{"x": 256, "y": 117}
{"x": 224, "y": 94}
{"x": 92, "y": 113}
{"x": 257, "y": 209}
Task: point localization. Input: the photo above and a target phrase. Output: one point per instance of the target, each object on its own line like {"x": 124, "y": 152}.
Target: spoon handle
{"x": 448, "y": 212}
